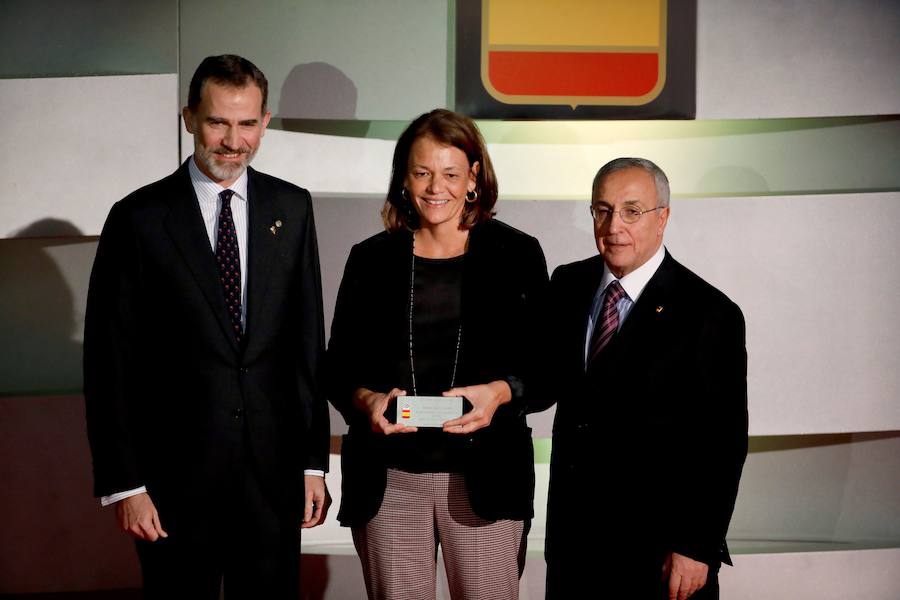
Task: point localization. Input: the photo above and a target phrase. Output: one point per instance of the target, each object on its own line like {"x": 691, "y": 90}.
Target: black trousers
{"x": 233, "y": 538}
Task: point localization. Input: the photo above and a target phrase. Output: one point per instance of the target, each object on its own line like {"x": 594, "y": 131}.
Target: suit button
{"x": 237, "y": 414}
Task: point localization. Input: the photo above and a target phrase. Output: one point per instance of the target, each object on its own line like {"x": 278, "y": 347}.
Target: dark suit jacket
{"x": 504, "y": 271}
{"x": 171, "y": 397}
{"x": 657, "y": 424}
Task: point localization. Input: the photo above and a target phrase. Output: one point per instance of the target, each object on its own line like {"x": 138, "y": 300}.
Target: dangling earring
{"x": 406, "y": 207}
{"x": 472, "y": 196}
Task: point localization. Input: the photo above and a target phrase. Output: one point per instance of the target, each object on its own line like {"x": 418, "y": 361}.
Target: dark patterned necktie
{"x": 228, "y": 258}
{"x": 607, "y": 321}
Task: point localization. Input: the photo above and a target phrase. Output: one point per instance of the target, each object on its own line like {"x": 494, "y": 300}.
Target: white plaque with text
{"x": 428, "y": 411}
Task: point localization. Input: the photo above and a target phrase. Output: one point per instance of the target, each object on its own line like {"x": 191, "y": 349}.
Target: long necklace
{"x": 412, "y": 364}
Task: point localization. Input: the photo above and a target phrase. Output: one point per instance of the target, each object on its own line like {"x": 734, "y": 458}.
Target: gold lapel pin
{"x": 274, "y": 228}
{"x": 659, "y": 309}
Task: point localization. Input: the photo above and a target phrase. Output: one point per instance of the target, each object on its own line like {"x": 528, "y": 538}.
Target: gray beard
{"x": 223, "y": 171}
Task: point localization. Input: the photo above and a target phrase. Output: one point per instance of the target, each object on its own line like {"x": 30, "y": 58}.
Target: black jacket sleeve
{"x": 110, "y": 354}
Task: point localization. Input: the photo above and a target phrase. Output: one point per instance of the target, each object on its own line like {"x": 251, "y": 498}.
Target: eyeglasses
{"x": 629, "y": 214}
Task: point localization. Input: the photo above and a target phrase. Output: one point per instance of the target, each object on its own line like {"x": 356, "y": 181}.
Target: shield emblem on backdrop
{"x": 575, "y": 58}
{"x": 573, "y": 52}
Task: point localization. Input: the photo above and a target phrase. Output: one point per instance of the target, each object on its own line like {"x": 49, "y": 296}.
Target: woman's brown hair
{"x": 452, "y": 129}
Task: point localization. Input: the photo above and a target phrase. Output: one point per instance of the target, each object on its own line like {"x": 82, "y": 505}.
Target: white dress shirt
{"x": 633, "y": 284}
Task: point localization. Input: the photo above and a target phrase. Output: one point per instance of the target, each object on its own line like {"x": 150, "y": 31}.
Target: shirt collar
{"x": 635, "y": 282}
{"x": 207, "y": 189}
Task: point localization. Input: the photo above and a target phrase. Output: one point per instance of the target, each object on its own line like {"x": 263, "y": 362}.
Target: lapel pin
{"x": 274, "y": 228}
{"x": 659, "y": 309}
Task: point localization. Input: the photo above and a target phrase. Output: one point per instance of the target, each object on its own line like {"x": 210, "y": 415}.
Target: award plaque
{"x": 428, "y": 411}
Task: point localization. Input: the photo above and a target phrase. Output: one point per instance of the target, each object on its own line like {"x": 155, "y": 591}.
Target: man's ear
{"x": 663, "y": 220}
{"x": 188, "y": 118}
{"x": 265, "y": 122}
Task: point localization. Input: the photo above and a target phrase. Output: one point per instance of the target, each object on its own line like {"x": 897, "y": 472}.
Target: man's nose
{"x": 614, "y": 222}
{"x": 231, "y": 140}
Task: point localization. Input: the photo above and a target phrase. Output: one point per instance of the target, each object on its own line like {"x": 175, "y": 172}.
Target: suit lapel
{"x": 571, "y": 295}
{"x": 188, "y": 232}
{"x": 646, "y": 316}
{"x": 582, "y": 296}
{"x": 649, "y": 311}
{"x": 473, "y": 267}
{"x": 264, "y": 229}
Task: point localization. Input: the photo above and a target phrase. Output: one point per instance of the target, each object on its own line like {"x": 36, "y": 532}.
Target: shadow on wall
{"x": 317, "y": 91}
{"x": 40, "y": 347}
{"x": 48, "y": 228}
{"x": 55, "y": 536}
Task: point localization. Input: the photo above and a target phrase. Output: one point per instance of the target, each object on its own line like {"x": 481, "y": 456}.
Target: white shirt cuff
{"x": 113, "y": 498}
{"x": 315, "y": 472}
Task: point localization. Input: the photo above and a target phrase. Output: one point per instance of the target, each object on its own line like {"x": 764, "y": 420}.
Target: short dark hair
{"x": 453, "y": 129}
{"x": 620, "y": 164}
{"x": 226, "y": 69}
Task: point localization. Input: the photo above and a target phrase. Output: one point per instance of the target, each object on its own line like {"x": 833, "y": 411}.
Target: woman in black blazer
{"x": 439, "y": 303}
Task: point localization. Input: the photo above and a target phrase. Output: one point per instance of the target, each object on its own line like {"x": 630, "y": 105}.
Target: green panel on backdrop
{"x": 325, "y": 59}
{"x": 61, "y": 38}
{"x": 587, "y": 132}
{"x": 710, "y": 158}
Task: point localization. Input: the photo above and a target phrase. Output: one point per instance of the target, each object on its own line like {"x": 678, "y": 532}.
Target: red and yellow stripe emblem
{"x": 573, "y": 52}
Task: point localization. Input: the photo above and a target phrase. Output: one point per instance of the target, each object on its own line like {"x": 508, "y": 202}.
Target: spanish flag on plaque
{"x": 573, "y": 51}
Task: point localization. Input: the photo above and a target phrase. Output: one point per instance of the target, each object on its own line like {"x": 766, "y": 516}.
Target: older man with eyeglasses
{"x": 647, "y": 365}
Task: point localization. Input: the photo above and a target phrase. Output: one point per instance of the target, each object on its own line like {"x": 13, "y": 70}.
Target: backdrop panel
{"x": 73, "y": 146}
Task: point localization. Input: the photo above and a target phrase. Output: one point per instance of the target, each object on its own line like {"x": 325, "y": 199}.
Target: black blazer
{"x": 503, "y": 273}
{"x": 169, "y": 393}
{"x": 659, "y": 421}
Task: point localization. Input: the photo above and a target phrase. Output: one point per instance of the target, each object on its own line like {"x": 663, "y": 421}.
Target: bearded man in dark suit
{"x": 648, "y": 366}
{"x": 203, "y": 339}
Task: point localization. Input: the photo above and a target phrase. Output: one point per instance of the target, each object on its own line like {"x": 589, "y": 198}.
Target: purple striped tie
{"x": 228, "y": 257}
{"x": 608, "y": 321}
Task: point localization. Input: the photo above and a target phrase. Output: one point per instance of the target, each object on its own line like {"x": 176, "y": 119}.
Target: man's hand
{"x": 317, "y": 501}
{"x": 137, "y": 516}
{"x": 685, "y": 575}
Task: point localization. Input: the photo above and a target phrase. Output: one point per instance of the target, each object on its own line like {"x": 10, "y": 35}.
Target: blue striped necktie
{"x": 608, "y": 321}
